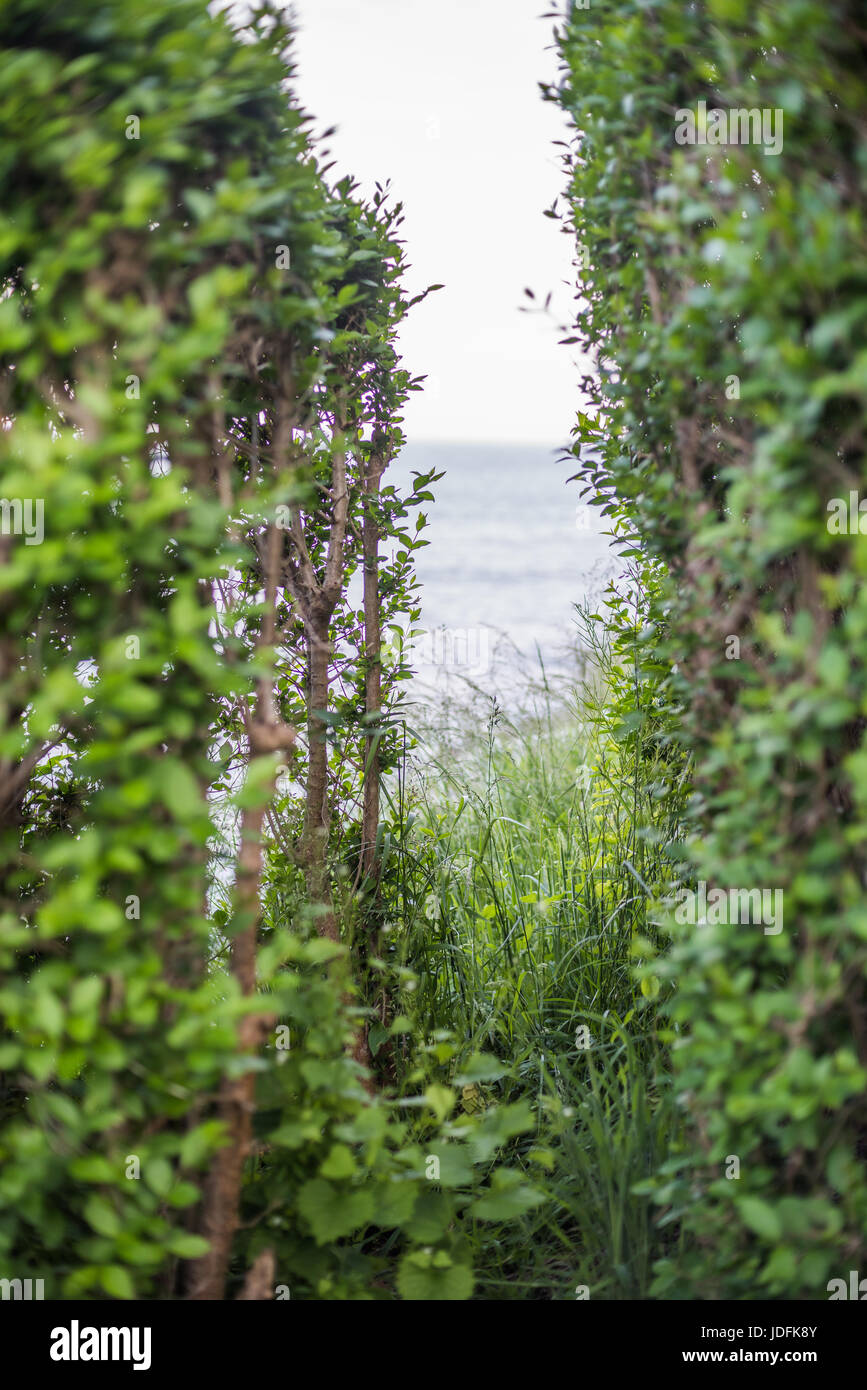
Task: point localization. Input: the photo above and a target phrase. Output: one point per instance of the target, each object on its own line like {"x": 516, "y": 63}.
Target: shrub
{"x": 722, "y": 291}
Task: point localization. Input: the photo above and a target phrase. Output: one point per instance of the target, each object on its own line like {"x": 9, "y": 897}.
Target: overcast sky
{"x": 443, "y": 99}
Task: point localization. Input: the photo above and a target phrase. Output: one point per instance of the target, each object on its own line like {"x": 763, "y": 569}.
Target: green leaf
{"x": 424, "y": 1277}
{"x": 509, "y": 1196}
{"x": 441, "y": 1100}
{"x": 158, "y": 1175}
{"x": 332, "y": 1212}
{"x": 760, "y": 1217}
{"x": 116, "y": 1281}
{"x": 101, "y": 1215}
{"x": 339, "y": 1163}
{"x": 376, "y": 1036}
{"x": 187, "y": 1245}
{"x": 482, "y": 1066}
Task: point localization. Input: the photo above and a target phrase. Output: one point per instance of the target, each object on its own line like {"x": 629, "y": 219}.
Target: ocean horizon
{"x": 512, "y": 551}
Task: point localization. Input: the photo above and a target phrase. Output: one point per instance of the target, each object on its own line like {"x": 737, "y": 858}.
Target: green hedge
{"x": 118, "y": 301}
{"x": 199, "y": 379}
{"x": 723, "y": 293}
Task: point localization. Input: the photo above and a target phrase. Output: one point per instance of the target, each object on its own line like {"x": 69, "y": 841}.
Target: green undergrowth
{"x": 537, "y": 836}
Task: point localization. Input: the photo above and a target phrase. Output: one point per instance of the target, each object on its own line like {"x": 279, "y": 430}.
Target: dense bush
{"x": 723, "y": 292}
{"x": 200, "y": 395}
{"x": 539, "y": 835}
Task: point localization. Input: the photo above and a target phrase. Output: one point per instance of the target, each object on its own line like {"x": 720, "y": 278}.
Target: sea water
{"x": 513, "y": 548}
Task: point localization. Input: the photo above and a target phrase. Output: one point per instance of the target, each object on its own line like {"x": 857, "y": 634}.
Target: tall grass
{"x": 535, "y": 841}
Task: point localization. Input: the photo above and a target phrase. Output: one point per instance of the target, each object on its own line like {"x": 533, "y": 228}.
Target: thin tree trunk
{"x": 372, "y": 705}
{"x": 317, "y": 602}
{"x": 316, "y": 818}
{"x": 259, "y": 1283}
{"x": 236, "y": 1098}
{"x": 319, "y": 605}
{"x": 373, "y": 676}
{"x": 207, "y": 1275}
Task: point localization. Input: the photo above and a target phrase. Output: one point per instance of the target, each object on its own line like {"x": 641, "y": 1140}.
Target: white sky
{"x": 442, "y": 98}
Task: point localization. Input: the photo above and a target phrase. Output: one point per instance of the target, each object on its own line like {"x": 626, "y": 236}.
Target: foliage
{"x": 540, "y": 836}
{"x": 722, "y": 294}
{"x": 196, "y": 334}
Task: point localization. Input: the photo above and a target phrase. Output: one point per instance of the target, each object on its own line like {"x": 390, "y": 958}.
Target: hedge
{"x": 722, "y": 291}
